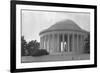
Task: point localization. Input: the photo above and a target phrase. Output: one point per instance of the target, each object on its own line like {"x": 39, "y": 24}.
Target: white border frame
{"x": 20, "y": 65}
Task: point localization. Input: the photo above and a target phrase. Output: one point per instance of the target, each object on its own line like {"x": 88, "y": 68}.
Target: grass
{"x": 61, "y": 57}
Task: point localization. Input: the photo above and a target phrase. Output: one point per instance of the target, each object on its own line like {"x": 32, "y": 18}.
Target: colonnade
{"x": 62, "y": 42}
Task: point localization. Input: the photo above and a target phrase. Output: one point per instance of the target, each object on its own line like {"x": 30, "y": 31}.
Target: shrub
{"x": 39, "y": 52}
{"x": 87, "y": 45}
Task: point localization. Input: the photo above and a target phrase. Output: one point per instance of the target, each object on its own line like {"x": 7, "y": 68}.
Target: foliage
{"x": 40, "y": 52}
{"x": 87, "y": 44}
{"x": 23, "y": 46}
{"x": 31, "y": 48}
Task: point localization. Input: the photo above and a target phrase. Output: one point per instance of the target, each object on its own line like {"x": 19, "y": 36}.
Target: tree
{"x": 87, "y": 44}
{"x": 27, "y": 49}
{"x": 32, "y": 46}
{"x": 23, "y": 46}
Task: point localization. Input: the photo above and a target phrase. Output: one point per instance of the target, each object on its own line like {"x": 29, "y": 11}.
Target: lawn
{"x": 46, "y": 58}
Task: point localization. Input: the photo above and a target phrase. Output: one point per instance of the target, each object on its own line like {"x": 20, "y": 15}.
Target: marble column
{"x": 52, "y": 42}
{"x": 58, "y": 42}
{"x": 49, "y": 42}
{"x": 81, "y": 44}
{"x": 43, "y": 42}
{"x": 68, "y": 41}
{"x": 77, "y": 43}
{"x": 40, "y": 42}
{"x": 55, "y": 42}
{"x": 63, "y": 39}
{"x": 73, "y": 48}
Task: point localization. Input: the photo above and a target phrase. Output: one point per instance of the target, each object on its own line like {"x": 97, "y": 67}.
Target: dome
{"x": 66, "y": 24}
{"x": 63, "y": 25}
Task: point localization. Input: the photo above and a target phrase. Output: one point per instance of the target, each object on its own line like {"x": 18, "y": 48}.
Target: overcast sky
{"x": 35, "y": 21}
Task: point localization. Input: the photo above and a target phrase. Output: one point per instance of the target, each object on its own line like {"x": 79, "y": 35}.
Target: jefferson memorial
{"x": 63, "y": 37}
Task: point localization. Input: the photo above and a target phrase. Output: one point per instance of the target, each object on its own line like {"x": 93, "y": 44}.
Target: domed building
{"x": 63, "y": 37}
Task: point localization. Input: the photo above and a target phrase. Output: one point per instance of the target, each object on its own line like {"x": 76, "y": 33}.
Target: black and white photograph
{"x": 53, "y": 36}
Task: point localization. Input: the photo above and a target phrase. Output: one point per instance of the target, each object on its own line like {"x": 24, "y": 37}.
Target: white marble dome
{"x": 63, "y": 25}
